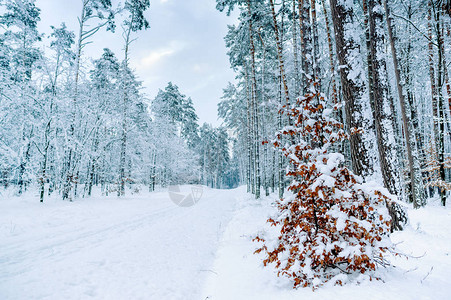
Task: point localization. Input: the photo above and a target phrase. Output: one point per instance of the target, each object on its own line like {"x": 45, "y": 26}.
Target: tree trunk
{"x": 441, "y": 107}
{"x": 332, "y": 63}
{"x": 295, "y": 51}
{"x": 420, "y": 162}
{"x": 23, "y": 163}
{"x": 382, "y": 112}
{"x": 44, "y": 161}
{"x": 315, "y": 53}
{"x": 122, "y": 162}
{"x": 369, "y": 60}
{"x": 279, "y": 54}
{"x": 249, "y": 132}
{"x": 282, "y": 83}
{"x": 437, "y": 99}
{"x": 353, "y": 87}
{"x": 254, "y": 105}
{"x": 415, "y": 187}
{"x": 306, "y": 44}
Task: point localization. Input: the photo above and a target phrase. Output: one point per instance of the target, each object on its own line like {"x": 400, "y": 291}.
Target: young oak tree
{"x": 334, "y": 224}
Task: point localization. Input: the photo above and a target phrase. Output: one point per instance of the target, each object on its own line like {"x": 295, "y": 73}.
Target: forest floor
{"x": 426, "y": 274}
{"x": 144, "y": 246}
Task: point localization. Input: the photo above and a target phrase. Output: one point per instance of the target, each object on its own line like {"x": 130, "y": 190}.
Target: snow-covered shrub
{"x": 333, "y": 224}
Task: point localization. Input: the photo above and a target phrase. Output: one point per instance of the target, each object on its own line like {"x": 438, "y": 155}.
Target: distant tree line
{"x": 68, "y": 124}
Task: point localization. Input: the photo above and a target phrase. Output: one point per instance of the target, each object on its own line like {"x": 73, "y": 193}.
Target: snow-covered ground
{"x": 140, "y": 247}
{"x": 239, "y": 274}
{"x": 144, "y": 246}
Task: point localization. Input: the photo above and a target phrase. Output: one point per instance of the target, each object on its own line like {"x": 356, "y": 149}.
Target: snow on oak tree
{"x": 333, "y": 225}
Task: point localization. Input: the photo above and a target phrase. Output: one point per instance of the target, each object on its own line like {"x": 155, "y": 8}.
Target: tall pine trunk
{"x": 382, "y": 111}
{"x": 306, "y": 44}
{"x": 254, "y": 105}
{"x": 353, "y": 86}
{"x": 295, "y": 50}
{"x": 415, "y": 186}
{"x": 315, "y": 52}
{"x": 332, "y": 62}
{"x": 441, "y": 106}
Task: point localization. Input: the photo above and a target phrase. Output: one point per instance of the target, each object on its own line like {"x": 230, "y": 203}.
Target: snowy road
{"x": 139, "y": 247}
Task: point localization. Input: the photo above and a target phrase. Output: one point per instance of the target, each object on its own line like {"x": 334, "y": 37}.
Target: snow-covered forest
{"x": 367, "y": 60}
{"x": 70, "y": 122}
{"x": 328, "y": 176}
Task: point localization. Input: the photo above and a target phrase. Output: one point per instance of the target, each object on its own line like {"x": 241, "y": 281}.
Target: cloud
{"x": 153, "y": 57}
{"x": 202, "y": 84}
{"x": 200, "y": 68}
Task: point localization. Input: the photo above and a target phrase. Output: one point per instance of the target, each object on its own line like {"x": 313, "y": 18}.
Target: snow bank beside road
{"x": 239, "y": 274}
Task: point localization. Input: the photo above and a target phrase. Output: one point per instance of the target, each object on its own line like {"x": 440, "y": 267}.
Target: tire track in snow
{"x": 14, "y": 256}
{"x": 138, "y": 254}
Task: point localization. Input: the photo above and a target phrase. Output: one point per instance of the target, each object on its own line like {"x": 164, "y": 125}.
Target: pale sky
{"x": 184, "y": 45}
